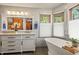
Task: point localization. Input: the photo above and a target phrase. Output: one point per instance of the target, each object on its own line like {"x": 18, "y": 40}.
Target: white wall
{"x": 59, "y": 9}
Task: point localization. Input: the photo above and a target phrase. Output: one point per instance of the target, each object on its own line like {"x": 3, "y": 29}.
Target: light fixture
{"x": 8, "y": 12}
{"x": 22, "y": 13}
{"x": 17, "y": 13}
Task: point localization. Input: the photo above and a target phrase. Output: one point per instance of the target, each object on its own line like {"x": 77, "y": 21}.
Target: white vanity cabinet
{"x": 17, "y": 43}
{"x": 28, "y": 43}
{"x": 11, "y": 44}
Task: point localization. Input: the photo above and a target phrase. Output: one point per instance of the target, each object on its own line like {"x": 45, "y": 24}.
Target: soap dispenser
{"x": 4, "y": 25}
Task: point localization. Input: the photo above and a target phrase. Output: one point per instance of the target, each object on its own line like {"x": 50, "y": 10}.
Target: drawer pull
{"x": 11, "y": 37}
{"x": 27, "y": 37}
{"x": 11, "y": 41}
{"x": 11, "y": 49}
{"x": 11, "y": 45}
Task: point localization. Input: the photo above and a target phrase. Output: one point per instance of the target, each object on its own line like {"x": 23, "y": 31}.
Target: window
{"x": 45, "y": 19}
{"x": 58, "y": 18}
{"x": 45, "y": 25}
{"x": 74, "y": 13}
{"x": 58, "y": 29}
{"x": 73, "y": 26}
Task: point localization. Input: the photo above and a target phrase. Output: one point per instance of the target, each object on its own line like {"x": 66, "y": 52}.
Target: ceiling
{"x": 33, "y": 5}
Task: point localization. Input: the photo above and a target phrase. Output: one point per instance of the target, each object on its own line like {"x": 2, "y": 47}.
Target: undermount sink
{"x": 26, "y": 31}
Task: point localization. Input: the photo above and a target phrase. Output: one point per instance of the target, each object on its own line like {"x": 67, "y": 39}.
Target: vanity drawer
{"x": 25, "y": 37}
{"x": 10, "y": 50}
{"x": 10, "y": 37}
{"x": 9, "y": 43}
{"x": 11, "y": 47}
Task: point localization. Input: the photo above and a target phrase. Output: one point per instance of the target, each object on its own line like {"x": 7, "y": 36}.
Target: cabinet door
{"x": 28, "y": 44}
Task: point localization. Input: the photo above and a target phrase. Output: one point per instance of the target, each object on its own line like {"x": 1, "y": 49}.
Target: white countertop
{"x": 17, "y": 33}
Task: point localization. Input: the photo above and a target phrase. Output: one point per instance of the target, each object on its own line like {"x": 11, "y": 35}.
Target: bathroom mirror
{"x": 28, "y": 23}
{"x": 13, "y": 21}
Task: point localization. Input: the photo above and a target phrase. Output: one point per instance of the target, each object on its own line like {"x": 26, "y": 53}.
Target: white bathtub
{"x": 55, "y": 46}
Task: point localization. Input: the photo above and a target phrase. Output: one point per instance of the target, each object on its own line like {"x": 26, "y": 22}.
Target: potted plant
{"x": 75, "y": 42}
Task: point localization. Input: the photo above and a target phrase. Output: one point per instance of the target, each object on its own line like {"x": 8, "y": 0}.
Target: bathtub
{"x": 55, "y": 46}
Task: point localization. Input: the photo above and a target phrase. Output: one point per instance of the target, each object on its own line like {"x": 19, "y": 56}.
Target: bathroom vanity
{"x": 17, "y": 34}
{"x": 19, "y": 42}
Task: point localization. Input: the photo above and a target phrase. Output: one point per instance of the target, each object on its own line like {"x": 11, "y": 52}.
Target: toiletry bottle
{"x": 4, "y": 25}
